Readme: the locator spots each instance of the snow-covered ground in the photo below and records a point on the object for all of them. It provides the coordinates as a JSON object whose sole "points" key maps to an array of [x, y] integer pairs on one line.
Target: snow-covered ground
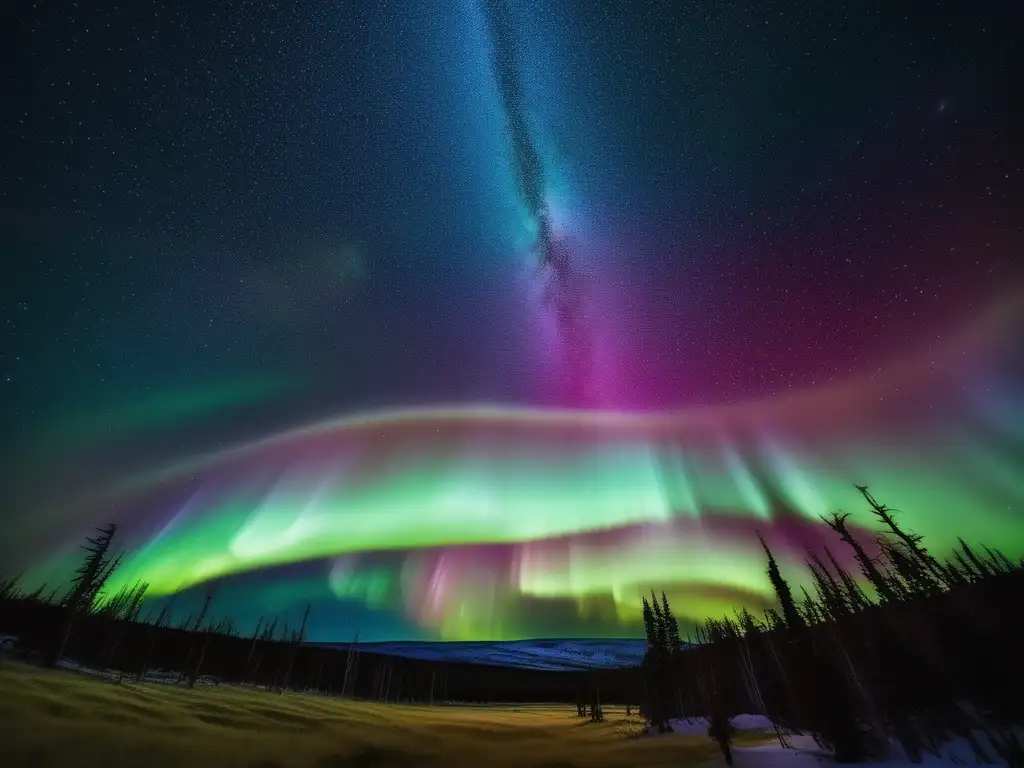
{"points": [[699, 726], [166, 677], [161, 676], [803, 751]]}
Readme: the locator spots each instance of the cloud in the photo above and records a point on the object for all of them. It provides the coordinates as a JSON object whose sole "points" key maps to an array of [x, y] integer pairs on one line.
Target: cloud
{"points": [[302, 286]]}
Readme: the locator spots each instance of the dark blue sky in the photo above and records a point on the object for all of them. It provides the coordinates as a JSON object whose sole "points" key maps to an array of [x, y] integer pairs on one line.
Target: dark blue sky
{"points": [[196, 192], [225, 219]]}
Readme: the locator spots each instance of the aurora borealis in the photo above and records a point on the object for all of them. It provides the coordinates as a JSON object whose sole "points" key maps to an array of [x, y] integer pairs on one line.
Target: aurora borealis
{"points": [[479, 320], [502, 522]]}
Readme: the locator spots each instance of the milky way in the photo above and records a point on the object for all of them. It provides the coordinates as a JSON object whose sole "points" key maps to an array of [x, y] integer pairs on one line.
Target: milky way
{"points": [[562, 289], [481, 319], [526, 162]]}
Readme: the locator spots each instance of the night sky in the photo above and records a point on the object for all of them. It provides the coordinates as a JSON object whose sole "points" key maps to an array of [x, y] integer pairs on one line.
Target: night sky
{"points": [[473, 319]]}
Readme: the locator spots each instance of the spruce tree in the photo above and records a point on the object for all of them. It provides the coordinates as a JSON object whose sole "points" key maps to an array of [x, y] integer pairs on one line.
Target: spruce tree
{"points": [[656, 662], [955, 576], [837, 522], [790, 613], [829, 590], [855, 596], [747, 623], [809, 609], [649, 630], [86, 585], [981, 568], [92, 574], [660, 628], [968, 568], [932, 575], [999, 555], [674, 642], [9, 588]]}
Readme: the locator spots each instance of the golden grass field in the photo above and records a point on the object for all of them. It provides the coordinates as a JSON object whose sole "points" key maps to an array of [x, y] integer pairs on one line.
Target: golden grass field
{"points": [[57, 718]]}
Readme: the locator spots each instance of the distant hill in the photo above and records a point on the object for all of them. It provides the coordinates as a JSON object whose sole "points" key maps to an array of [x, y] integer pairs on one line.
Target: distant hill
{"points": [[533, 654]]}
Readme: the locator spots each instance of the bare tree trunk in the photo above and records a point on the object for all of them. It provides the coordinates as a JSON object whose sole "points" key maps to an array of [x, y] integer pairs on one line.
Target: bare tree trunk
{"points": [[350, 663], [194, 676]]}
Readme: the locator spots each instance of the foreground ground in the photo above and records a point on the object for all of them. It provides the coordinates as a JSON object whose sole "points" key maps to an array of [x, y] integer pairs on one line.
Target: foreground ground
{"points": [[56, 718]]}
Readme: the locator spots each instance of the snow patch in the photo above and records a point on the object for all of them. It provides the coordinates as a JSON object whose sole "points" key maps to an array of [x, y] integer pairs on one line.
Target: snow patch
{"points": [[804, 751], [699, 725], [159, 676]]}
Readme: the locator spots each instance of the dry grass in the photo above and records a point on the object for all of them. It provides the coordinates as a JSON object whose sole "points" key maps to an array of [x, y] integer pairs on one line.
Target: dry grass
{"points": [[53, 718]]}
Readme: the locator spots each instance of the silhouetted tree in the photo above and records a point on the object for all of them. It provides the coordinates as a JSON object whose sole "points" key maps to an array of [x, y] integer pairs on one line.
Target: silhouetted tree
{"points": [[199, 640], [657, 663], [121, 610], [789, 610], [162, 620], [88, 582], [297, 639], [9, 588], [596, 712], [837, 522], [721, 729], [247, 667], [673, 643], [911, 541]]}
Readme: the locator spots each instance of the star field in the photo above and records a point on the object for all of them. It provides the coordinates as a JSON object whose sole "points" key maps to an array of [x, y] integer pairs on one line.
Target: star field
{"points": [[225, 223]]}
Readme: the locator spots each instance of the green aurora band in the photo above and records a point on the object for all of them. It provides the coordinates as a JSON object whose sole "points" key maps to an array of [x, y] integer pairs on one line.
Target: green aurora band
{"points": [[477, 523]]}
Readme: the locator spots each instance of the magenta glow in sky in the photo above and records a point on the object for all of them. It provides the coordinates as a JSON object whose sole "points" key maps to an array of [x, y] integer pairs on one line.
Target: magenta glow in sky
{"points": [[479, 319], [496, 522]]}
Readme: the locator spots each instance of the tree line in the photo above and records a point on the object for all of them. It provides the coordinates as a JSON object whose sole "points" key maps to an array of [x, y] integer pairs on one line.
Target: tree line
{"points": [[122, 636], [912, 648], [909, 647]]}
